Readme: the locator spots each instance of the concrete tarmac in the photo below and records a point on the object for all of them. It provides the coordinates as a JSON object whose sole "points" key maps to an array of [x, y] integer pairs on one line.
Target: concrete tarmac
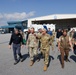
{"points": [[23, 68]]}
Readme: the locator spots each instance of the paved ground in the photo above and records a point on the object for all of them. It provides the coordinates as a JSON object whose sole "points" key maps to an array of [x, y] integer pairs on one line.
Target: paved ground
{"points": [[7, 67]]}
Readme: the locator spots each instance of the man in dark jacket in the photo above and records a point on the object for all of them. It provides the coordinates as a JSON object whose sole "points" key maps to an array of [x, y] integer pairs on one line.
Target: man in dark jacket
{"points": [[17, 40], [27, 34], [59, 33]]}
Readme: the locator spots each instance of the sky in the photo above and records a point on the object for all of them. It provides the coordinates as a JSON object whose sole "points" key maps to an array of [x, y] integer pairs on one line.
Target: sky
{"points": [[16, 10]]}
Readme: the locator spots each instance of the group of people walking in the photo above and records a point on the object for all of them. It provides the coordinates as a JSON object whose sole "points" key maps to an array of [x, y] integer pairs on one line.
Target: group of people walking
{"points": [[41, 41]]}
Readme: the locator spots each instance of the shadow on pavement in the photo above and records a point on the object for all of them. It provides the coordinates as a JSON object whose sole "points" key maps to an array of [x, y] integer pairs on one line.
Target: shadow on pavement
{"points": [[73, 57], [25, 56], [59, 57], [42, 57], [50, 58]]}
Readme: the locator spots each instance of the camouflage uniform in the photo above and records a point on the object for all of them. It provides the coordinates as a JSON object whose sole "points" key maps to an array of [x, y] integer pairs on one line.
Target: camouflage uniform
{"points": [[54, 34], [45, 46], [33, 45], [64, 48], [71, 36], [53, 38], [39, 42]]}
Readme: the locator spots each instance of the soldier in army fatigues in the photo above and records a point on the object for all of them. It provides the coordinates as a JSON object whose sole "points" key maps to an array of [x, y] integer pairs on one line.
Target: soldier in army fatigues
{"points": [[39, 33], [64, 45], [32, 43], [71, 36], [53, 38], [54, 34], [45, 40]]}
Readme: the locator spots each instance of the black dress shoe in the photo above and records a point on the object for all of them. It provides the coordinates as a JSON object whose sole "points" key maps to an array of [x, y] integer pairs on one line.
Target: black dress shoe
{"points": [[15, 62], [21, 59]]}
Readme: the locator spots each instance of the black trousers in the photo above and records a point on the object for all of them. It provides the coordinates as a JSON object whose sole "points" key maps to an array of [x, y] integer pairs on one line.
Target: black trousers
{"points": [[74, 49]]}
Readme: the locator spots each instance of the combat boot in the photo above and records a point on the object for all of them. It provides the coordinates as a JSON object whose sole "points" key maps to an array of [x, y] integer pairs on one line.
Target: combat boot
{"points": [[31, 62], [45, 68]]}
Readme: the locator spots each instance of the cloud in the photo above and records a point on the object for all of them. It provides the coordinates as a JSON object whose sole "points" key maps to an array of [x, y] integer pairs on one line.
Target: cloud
{"points": [[4, 17]]}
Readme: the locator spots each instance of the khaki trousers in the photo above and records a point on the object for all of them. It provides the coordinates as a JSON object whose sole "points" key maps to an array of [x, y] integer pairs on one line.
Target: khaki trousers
{"points": [[64, 53]]}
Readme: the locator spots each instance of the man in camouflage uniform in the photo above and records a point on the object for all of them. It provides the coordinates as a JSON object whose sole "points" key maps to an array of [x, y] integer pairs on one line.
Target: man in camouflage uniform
{"points": [[53, 38], [64, 45], [39, 33], [45, 40], [54, 34], [32, 43], [71, 36]]}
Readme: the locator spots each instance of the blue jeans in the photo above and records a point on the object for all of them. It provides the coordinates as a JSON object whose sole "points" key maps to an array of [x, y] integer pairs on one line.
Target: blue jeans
{"points": [[17, 50]]}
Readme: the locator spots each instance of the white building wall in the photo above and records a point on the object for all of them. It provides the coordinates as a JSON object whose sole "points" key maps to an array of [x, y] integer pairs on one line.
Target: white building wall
{"points": [[55, 16], [52, 17], [29, 23]]}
